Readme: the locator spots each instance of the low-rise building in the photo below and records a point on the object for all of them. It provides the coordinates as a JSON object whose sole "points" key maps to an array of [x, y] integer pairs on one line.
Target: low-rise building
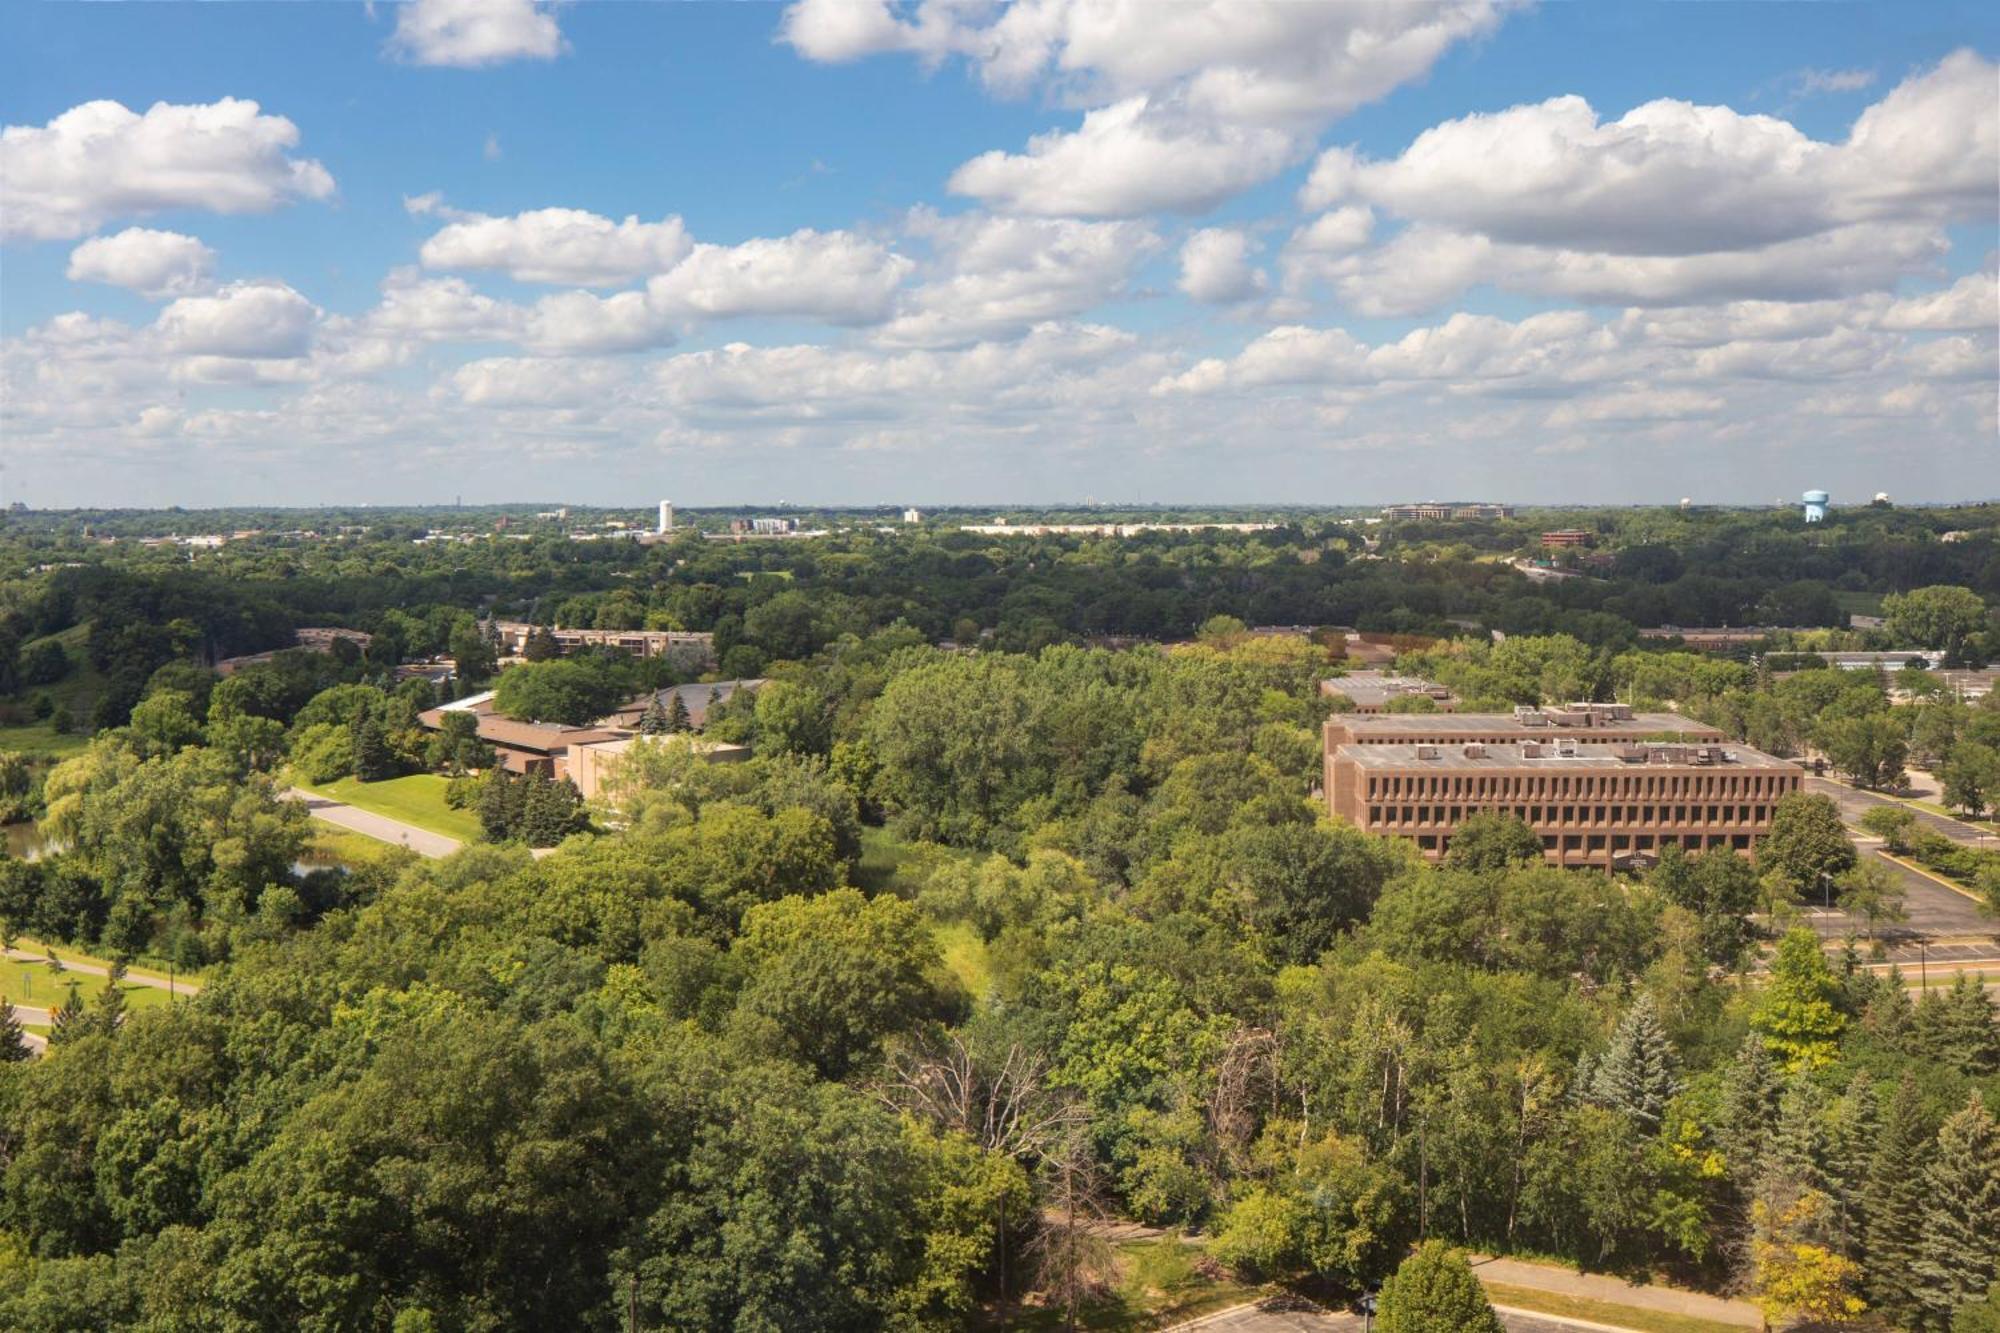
{"points": [[1560, 537], [1373, 691], [696, 698], [1592, 803], [591, 764], [638, 642], [1574, 722]]}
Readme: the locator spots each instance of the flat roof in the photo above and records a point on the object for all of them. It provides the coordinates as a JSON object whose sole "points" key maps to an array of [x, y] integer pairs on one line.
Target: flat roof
{"points": [[1508, 756], [1454, 724]]}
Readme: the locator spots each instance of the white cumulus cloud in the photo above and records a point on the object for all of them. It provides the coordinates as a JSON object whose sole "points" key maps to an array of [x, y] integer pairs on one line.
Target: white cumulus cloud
{"points": [[835, 276], [564, 246], [155, 264], [1216, 267], [247, 320], [101, 161], [471, 33]]}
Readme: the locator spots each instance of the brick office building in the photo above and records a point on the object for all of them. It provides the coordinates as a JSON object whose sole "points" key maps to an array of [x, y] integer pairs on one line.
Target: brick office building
{"points": [[1576, 722], [1592, 802]]}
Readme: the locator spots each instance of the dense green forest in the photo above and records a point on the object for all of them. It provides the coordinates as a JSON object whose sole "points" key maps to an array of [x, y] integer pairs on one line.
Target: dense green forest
{"points": [[1010, 924]]}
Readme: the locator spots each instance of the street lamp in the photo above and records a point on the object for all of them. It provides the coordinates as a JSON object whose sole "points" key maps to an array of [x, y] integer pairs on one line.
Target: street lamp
{"points": [[1368, 1312]]}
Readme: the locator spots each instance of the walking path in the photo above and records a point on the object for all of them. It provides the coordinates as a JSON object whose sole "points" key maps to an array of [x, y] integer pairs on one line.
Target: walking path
{"points": [[1615, 1291], [177, 986], [371, 825]]}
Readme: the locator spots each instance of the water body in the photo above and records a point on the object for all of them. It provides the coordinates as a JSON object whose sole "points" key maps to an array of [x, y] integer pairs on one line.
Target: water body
{"points": [[24, 841]]}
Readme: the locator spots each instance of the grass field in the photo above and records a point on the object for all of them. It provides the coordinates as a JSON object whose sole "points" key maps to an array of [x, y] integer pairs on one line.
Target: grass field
{"points": [[417, 799], [33, 986], [1603, 1312], [156, 968], [80, 690], [41, 738], [340, 847], [965, 954]]}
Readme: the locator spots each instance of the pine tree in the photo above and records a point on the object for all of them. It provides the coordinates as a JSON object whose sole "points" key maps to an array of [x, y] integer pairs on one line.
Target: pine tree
{"points": [[540, 645], [1895, 1202], [1434, 1291], [1796, 1162], [541, 812], [373, 759], [499, 805], [1955, 1028], [66, 1021], [653, 722], [109, 1015], [1958, 1254], [1854, 1127], [14, 1046], [1750, 1092], [678, 720], [1636, 1075]]}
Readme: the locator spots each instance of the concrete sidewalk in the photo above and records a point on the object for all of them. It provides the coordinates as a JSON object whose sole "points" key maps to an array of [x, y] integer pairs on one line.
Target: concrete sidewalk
{"points": [[1615, 1291]]}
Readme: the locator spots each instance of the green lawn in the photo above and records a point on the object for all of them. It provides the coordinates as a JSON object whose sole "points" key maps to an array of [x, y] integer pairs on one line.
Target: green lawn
{"points": [[33, 986], [342, 847], [156, 968], [80, 690], [1603, 1312], [417, 799], [41, 738], [965, 954], [891, 865]]}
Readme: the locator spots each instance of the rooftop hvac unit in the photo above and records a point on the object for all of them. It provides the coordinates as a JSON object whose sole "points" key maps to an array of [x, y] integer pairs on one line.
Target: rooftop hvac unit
{"points": [[1531, 749], [1428, 752], [1565, 752], [1474, 750], [1633, 754]]}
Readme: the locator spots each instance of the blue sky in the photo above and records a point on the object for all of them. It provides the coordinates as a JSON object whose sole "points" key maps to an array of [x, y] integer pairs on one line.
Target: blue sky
{"points": [[1064, 248]]}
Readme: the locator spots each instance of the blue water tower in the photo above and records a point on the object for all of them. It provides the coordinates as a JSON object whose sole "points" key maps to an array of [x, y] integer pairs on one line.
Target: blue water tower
{"points": [[1815, 504]]}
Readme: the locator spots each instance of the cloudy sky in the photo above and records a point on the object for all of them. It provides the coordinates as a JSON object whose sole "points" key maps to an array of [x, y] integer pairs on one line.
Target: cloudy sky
{"points": [[955, 250]]}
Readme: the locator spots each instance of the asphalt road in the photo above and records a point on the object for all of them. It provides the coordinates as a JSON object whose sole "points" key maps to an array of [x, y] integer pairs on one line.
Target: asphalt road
{"points": [[1305, 1320], [1854, 803], [371, 825]]}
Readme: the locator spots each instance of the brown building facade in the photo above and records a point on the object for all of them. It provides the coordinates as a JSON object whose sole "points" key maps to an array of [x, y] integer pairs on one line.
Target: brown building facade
{"points": [[1594, 804]]}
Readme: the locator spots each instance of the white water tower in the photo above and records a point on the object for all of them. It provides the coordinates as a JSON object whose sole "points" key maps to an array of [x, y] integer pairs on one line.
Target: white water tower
{"points": [[666, 517]]}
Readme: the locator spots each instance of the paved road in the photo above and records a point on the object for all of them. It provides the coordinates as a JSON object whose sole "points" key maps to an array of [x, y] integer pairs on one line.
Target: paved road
{"points": [[379, 827], [1278, 1317], [1855, 803], [180, 986]]}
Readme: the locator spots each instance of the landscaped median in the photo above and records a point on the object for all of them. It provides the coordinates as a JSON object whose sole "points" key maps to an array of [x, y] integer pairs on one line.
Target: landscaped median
{"points": [[1507, 1296]]}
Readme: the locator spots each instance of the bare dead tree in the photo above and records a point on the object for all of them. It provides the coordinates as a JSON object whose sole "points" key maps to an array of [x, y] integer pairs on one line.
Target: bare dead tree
{"points": [[1006, 1107], [1246, 1078], [1073, 1260]]}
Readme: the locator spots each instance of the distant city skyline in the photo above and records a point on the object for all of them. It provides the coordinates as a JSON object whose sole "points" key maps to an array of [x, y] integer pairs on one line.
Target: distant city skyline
{"points": [[850, 252]]}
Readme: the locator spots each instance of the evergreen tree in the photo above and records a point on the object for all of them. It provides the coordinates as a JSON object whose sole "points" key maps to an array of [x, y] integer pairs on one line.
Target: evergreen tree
{"points": [[1955, 1028], [1750, 1092], [109, 1015], [1895, 1203], [67, 1021], [1434, 1291], [1958, 1254], [540, 645], [14, 1046], [1636, 1074], [1797, 1159], [653, 722], [499, 805], [1854, 1128], [373, 759], [677, 715]]}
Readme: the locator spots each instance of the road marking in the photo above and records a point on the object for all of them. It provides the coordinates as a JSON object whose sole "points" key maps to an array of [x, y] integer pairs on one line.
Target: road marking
{"points": [[1566, 1320]]}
